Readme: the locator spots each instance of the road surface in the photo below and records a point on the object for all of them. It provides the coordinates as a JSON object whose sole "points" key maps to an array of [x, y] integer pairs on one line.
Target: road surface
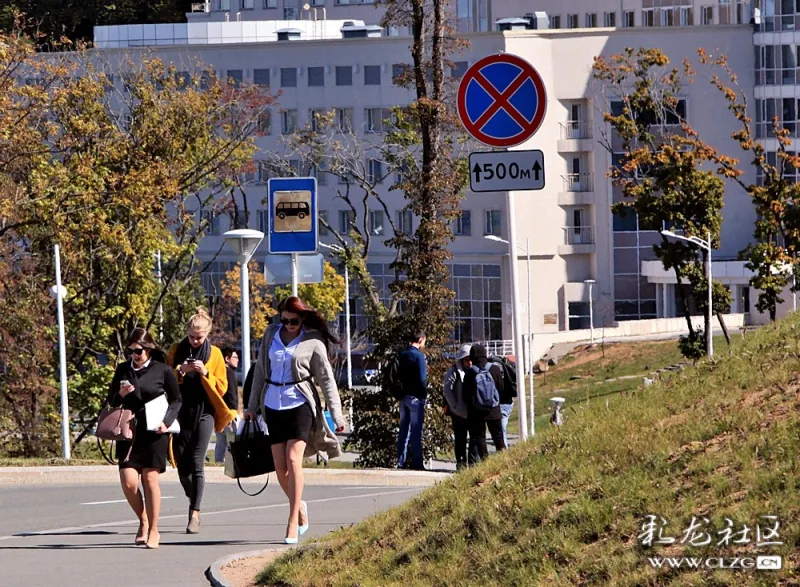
{"points": [[72, 535]]}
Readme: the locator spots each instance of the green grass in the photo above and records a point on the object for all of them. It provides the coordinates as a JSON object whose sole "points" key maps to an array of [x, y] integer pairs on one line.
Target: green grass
{"points": [[48, 462], [717, 440]]}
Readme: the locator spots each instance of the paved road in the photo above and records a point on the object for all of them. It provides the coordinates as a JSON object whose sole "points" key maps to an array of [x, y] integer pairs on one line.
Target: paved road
{"points": [[83, 535]]}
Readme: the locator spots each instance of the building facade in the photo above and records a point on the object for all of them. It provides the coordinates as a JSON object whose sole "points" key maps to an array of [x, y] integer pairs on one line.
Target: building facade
{"points": [[572, 233]]}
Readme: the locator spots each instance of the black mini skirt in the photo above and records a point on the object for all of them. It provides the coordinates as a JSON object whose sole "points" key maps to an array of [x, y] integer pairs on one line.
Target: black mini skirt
{"points": [[286, 425]]}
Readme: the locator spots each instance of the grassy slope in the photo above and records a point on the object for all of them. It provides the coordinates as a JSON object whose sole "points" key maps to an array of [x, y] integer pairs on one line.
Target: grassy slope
{"points": [[565, 509]]}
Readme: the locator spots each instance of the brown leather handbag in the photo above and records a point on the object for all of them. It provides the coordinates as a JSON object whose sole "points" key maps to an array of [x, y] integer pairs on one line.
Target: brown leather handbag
{"points": [[115, 424]]}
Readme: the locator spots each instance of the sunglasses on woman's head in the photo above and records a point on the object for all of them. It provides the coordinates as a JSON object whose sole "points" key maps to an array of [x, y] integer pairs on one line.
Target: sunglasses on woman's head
{"points": [[290, 321], [137, 352]]}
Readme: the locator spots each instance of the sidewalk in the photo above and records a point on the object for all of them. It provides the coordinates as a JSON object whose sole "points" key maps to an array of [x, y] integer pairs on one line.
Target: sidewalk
{"points": [[78, 475]]}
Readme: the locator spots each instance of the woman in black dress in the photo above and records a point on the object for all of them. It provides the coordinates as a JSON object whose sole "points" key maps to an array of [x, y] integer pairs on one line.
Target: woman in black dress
{"points": [[144, 378]]}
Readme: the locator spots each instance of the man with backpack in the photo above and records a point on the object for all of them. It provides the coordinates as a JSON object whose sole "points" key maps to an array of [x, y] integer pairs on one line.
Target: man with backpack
{"points": [[508, 393], [409, 384], [483, 386], [454, 405]]}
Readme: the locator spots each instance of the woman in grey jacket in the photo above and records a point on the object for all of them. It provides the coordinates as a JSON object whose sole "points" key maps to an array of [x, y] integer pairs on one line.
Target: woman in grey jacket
{"points": [[292, 362]]}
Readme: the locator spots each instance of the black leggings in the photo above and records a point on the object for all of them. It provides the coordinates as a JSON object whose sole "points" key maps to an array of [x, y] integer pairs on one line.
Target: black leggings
{"points": [[190, 454]]}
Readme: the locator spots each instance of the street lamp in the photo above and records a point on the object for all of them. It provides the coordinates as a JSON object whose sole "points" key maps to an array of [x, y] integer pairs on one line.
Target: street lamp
{"points": [[590, 283], [523, 428], [706, 246], [244, 243], [338, 249], [59, 292]]}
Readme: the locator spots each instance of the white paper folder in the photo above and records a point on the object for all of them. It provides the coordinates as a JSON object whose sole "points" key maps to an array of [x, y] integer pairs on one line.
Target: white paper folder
{"points": [[154, 412]]}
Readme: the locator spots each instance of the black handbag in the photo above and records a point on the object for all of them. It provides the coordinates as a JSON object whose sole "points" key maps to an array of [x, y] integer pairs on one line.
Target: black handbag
{"points": [[251, 453]]}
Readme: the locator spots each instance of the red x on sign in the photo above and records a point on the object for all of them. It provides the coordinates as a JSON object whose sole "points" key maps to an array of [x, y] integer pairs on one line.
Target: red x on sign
{"points": [[502, 100]]}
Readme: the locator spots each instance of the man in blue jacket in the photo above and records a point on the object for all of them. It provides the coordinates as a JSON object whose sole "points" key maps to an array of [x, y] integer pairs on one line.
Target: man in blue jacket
{"points": [[414, 377]]}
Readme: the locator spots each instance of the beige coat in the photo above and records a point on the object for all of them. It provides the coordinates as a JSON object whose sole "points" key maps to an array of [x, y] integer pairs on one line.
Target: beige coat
{"points": [[310, 358]]}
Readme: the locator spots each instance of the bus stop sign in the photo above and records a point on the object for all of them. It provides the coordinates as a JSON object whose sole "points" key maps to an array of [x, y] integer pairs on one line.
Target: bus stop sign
{"points": [[293, 215]]}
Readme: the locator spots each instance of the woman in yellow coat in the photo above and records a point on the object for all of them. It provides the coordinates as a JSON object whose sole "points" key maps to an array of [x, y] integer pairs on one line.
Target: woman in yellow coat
{"points": [[201, 374]]}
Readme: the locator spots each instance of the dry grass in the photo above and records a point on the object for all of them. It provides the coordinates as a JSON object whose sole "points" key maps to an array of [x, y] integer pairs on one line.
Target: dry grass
{"points": [[565, 508]]}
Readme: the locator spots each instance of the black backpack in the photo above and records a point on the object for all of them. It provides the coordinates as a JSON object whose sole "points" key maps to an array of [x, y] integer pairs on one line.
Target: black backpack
{"points": [[509, 375], [391, 378]]}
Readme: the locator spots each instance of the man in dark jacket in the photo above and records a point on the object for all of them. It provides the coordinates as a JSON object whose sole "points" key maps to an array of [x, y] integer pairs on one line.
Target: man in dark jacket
{"points": [[231, 397], [414, 377], [478, 419]]}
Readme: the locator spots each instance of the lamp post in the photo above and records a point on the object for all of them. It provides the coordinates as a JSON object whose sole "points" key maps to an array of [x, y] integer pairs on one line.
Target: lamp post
{"points": [[160, 304], [338, 249], [244, 243], [590, 283], [515, 295], [706, 246], [59, 292]]}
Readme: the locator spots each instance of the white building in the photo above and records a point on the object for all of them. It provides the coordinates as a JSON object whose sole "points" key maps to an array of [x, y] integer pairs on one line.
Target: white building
{"points": [[573, 235]]}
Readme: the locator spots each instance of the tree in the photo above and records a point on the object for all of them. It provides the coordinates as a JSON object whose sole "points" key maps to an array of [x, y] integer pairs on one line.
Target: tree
{"points": [[661, 171], [773, 257], [115, 169], [422, 146], [326, 297]]}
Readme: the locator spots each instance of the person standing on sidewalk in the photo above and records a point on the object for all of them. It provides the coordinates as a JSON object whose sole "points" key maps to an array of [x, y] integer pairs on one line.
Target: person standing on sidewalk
{"points": [[141, 379], [231, 399], [454, 403], [292, 363], [483, 387], [200, 370], [413, 373]]}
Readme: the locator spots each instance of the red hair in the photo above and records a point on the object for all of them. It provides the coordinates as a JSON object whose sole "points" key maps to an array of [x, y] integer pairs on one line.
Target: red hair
{"points": [[310, 316]]}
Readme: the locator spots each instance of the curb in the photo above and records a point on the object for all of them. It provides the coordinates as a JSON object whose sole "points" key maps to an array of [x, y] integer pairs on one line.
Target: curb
{"points": [[214, 572], [66, 475]]}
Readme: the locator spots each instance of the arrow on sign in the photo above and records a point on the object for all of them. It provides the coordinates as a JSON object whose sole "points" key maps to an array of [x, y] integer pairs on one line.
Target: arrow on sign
{"points": [[536, 170], [477, 171]]}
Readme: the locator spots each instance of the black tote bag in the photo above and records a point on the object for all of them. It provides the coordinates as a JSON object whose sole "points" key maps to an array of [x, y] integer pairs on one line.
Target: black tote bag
{"points": [[251, 453]]}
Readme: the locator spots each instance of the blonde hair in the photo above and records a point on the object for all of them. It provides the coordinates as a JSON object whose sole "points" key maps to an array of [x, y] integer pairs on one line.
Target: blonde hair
{"points": [[200, 320]]}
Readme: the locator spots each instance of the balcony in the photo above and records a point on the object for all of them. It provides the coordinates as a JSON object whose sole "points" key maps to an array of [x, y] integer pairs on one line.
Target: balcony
{"points": [[576, 136], [578, 240], [577, 182]]}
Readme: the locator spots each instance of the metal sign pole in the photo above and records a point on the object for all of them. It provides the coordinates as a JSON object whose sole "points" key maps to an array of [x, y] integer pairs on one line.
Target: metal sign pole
{"points": [[518, 349], [294, 274], [62, 357]]}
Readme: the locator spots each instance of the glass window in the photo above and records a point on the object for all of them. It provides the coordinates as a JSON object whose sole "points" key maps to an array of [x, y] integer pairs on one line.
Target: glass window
{"points": [[344, 119], [555, 21], [625, 221], [346, 220], [321, 228], [344, 75], [398, 71], [572, 21], [372, 75], [261, 77], [648, 17], [288, 77], [316, 77], [628, 19], [707, 15], [491, 271], [591, 20], [264, 122], [493, 223], [234, 77], [461, 270], [610, 19], [376, 119], [248, 4], [263, 221], [405, 221], [288, 121], [374, 171], [376, 222], [463, 224], [578, 315]]}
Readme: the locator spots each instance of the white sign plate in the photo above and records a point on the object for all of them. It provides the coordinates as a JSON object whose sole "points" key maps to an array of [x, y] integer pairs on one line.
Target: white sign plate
{"points": [[505, 171]]}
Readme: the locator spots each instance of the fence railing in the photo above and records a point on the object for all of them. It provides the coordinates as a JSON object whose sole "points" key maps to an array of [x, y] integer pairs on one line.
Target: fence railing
{"points": [[576, 129], [577, 182], [578, 235]]}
